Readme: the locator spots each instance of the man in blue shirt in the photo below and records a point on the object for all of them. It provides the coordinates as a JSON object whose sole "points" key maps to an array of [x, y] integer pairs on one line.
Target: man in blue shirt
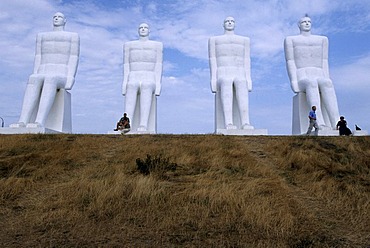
{"points": [[313, 123]]}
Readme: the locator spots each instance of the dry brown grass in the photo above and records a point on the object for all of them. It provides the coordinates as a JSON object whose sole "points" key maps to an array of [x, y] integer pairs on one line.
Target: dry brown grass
{"points": [[86, 191]]}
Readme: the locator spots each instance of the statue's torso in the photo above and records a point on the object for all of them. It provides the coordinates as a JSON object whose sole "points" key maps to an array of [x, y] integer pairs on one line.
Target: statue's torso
{"points": [[230, 56], [55, 52], [308, 51], [230, 51], [142, 55]]}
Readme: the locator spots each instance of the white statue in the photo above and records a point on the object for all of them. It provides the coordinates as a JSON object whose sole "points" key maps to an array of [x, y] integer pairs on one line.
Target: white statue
{"points": [[55, 66], [308, 69], [142, 80], [229, 59]]}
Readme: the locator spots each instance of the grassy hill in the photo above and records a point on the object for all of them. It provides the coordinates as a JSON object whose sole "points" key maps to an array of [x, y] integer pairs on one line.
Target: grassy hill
{"points": [[184, 191]]}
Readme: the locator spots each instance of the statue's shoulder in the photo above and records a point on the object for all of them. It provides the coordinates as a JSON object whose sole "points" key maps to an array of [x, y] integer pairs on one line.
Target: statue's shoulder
{"points": [[73, 34], [216, 37], [140, 44], [292, 37], [58, 33], [228, 37], [156, 43], [42, 34], [321, 37], [242, 37], [130, 42]]}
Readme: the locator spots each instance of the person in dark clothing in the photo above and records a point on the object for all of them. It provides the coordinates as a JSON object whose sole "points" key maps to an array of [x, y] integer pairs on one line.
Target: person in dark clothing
{"points": [[342, 127], [124, 123]]}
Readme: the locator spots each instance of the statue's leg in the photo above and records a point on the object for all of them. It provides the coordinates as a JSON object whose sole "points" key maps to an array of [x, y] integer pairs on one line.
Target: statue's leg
{"points": [[226, 88], [48, 93], [313, 96], [130, 100], [329, 99], [31, 97], [146, 97], [243, 102]]}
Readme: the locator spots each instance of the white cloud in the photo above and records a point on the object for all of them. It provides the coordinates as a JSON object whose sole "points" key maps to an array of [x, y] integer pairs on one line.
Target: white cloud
{"points": [[354, 77]]}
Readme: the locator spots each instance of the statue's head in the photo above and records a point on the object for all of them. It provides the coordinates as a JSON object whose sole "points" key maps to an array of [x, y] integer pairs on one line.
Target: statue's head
{"points": [[59, 19], [143, 30], [229, 23], [304, 23]]}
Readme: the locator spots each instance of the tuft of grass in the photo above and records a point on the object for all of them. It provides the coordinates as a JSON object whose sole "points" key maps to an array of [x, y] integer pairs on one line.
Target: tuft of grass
{"points": [[158, 165]]}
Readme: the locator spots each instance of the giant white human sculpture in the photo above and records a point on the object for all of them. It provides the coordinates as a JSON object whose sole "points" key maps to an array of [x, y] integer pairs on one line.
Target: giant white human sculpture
{"points": [[142, 80], [229, 59], [55, 66], [308, 69]]}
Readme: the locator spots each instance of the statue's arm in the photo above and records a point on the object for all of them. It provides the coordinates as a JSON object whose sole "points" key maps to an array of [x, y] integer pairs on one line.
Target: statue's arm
{"points": [[126, 67], [37, 61], [247, 57], [212, 63], [290, 64], [325, 63], [73, 61], [158, 69]]}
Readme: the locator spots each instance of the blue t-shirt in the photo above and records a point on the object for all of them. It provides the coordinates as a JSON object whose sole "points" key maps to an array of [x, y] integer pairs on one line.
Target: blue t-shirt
{"points": [[312, 115]]}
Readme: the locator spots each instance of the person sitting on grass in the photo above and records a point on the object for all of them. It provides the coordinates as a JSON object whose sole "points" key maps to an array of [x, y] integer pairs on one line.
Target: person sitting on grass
{"points": [[123, 123]]}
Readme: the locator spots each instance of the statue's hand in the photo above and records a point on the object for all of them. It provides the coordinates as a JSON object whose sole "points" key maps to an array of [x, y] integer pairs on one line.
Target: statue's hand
{"points": [[214, 86], [69, 83], [249, 85], [158, 89], [295, 87]]}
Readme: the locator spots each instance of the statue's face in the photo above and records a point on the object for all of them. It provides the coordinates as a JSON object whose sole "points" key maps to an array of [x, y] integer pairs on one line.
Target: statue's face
{"points": [[305, 24], [59, 19], [144, 30], [229, 24]]}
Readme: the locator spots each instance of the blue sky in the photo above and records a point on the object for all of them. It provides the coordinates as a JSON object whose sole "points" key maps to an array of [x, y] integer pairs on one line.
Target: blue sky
{"points": [[186, 103]]}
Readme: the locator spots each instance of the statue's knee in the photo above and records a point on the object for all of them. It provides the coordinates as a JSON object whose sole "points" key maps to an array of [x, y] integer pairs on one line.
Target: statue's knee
{"points": [[326, 83], [56, 81], [131, 87], [35, 79], [225, 85], [222, 81]]}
